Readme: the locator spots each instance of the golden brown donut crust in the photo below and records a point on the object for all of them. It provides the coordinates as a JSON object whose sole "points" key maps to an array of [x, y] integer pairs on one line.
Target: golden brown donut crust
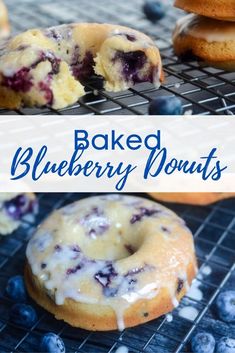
{"points": [[219, 9], [210, 40], [192, 198], [87, 317], [82, 267], [214, 52]]}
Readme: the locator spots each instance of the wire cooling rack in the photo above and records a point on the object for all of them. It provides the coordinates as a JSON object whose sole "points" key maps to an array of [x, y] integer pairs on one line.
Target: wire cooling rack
{"points": [[203, 90], [214, 232]]}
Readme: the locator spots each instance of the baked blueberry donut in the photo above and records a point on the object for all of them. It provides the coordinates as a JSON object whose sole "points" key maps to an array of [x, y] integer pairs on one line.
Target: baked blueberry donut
{"points": [[15, 207], [192, 198], [210, 40], [219, 9], [110, 261], [4, 24], [49, 67]]}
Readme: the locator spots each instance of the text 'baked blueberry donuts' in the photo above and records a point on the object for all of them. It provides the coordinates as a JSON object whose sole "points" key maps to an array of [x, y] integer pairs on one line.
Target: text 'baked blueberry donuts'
{"points": [[15, 207], [4, 23], [210, 40], [110, 262], [218, 9], [49, 67]]}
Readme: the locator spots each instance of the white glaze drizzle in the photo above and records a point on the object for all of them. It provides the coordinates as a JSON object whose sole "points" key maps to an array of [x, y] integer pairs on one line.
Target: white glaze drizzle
{"points": [[54, 246], [169, 317], [194, 292], [189, 313], [206, 270], [204, 28], [175, 302], [122, 349]]}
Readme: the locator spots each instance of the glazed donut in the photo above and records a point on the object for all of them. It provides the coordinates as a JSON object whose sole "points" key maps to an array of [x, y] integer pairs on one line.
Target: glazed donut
{"points": [[13, 208], [4, 24], [211, 40], [47, 67], [192, 198], [218, 9], [109, 262]]}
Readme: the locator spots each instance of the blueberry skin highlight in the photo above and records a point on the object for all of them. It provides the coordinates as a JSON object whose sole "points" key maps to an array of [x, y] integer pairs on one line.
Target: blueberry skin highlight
{"points": [[225, 345], [225, 304], [166, 105], [23, 315], [52, 343], [154, 10], [203, 342], [15, 289]]}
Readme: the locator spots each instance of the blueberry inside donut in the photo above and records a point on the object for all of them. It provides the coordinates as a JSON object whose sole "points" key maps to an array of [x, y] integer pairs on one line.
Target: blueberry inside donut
{"points": [[23, 81], [110, 262], [131, 64]]}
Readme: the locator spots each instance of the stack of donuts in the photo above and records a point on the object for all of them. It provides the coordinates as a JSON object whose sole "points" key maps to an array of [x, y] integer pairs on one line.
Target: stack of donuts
{"points": [[208, 33]]}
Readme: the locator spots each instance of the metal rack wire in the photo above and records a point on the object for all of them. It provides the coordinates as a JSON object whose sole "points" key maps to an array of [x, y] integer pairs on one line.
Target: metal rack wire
{"points": [[214, 230], [203, 90]]}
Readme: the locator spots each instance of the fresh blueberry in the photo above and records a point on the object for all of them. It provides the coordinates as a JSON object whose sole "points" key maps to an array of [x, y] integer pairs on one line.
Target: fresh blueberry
{"points": [[52, 343], [225, 303], [225, 345], [154, 10], [203, 342], [165, 105], [15, 289], [23, 315]]}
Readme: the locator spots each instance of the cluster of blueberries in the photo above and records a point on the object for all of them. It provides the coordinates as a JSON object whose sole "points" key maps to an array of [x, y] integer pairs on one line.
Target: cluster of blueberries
{"points": [[25, 315], [204, 342]]}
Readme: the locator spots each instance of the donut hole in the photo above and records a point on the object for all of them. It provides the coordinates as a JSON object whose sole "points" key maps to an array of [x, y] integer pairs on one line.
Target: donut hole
{"points": [[116, 244]]}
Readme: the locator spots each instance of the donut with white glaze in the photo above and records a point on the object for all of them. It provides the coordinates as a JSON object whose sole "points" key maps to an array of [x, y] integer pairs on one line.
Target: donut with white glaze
{"points": [[110, 261], [210, 40], [192, 198], [14, 207], [218, 9], [49, 67], [4, 23]]}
